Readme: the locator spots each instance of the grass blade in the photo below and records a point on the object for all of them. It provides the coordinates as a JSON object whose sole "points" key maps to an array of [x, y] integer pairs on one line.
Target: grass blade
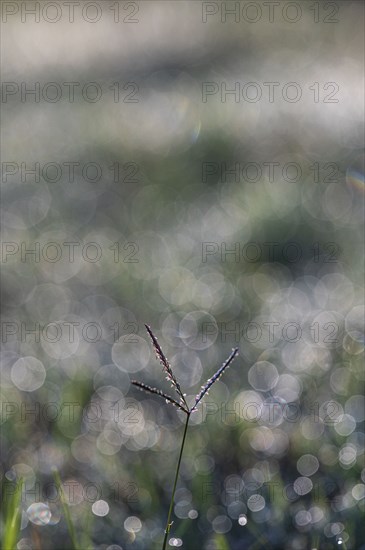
{"points": [[13, 517], [66, 511]]}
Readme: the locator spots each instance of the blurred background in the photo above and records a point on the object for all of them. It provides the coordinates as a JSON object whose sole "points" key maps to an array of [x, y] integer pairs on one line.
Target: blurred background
{"points": [[197, 166]]}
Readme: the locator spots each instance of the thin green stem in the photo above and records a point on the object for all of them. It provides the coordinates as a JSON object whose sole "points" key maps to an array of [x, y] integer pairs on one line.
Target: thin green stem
{"points": [[168, 524]]}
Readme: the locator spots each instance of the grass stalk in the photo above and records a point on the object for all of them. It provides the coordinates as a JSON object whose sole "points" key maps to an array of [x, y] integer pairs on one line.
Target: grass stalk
{"points": [[181, 404], [169, 523], [13, 517]]}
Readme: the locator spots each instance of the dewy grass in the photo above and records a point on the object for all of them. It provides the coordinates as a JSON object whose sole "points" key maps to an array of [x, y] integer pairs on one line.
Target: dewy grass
{"points": [[180, 404]]}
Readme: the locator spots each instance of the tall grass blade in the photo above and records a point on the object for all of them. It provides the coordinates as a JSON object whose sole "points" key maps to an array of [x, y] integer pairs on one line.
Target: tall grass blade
{"points": [[13, 517]]}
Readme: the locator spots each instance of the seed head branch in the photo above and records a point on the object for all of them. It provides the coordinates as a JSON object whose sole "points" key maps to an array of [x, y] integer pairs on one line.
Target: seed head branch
{"points": [[167, 368]]}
